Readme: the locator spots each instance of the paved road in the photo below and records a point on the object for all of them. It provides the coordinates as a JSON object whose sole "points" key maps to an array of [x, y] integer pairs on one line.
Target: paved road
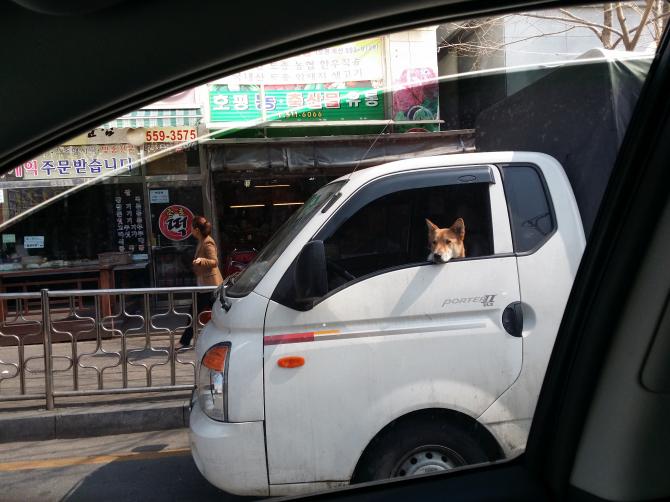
{"points": [[145, 466]]}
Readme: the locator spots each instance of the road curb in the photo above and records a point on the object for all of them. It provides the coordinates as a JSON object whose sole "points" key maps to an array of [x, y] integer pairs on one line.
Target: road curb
{"points": [[93, 421]]}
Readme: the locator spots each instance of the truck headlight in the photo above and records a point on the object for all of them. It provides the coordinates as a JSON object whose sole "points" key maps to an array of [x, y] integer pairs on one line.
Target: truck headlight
{"points": [[213, 382]]}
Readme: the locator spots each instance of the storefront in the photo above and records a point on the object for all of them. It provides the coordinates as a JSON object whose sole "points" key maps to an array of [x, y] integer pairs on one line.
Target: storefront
{"points": [[171, 183], [111, 208]]}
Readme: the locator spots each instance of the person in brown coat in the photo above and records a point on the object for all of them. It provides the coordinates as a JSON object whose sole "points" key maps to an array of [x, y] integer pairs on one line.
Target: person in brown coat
{"points": [[206, 269]]}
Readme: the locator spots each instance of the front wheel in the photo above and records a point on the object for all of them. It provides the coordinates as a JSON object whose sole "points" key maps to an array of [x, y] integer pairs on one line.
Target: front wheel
{"points": [[421, 446]]}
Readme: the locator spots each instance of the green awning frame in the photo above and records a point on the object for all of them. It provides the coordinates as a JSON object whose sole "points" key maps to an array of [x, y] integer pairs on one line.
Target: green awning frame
{"points": [[157, 118]]}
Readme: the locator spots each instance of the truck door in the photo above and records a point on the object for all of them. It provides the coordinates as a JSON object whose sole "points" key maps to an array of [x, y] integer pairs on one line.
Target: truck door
{"points": [[394, 333]]}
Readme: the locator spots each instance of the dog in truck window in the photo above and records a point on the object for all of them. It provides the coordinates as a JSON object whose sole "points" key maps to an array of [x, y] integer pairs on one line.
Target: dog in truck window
{"points": [[446, 243]]}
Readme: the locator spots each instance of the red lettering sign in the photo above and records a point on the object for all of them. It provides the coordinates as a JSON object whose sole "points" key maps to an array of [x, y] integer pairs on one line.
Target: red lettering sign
{"points": [[175, 222]]}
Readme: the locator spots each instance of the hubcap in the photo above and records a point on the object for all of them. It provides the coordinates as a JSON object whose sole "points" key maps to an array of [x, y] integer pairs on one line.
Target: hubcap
{"points": [[427, 459]]}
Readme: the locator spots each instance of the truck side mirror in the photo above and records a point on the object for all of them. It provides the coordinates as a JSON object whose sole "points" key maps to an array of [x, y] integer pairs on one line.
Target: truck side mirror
{"points": [[310, 274]]}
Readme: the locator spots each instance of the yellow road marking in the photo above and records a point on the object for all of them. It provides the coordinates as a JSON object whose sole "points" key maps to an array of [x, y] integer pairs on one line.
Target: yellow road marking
{"points": [[97, 459]]}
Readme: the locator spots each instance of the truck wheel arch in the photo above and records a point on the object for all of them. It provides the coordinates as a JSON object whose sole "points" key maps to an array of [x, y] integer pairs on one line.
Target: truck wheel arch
{"points": [[464, 422]]}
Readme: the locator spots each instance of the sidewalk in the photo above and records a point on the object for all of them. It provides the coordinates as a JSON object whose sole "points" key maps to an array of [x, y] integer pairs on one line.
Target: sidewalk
{"points": [[98, 365], [148, 365]]}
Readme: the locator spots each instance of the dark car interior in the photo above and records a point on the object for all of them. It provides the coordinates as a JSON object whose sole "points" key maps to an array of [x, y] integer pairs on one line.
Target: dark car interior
{"points": [[391, 231]]}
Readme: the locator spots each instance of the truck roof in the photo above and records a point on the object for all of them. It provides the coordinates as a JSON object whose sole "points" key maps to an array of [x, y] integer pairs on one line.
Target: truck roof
{"points": [[451, 161]]}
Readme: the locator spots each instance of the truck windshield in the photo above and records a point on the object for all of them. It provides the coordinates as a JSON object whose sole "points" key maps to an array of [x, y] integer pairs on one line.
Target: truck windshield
{"points": [[257, 269]]}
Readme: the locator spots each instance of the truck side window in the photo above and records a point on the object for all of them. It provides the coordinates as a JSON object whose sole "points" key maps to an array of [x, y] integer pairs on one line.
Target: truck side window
{"points": [[529, 208], [391, 231]]}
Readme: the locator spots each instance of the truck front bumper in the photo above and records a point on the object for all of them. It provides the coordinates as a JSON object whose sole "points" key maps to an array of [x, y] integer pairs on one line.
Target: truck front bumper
{"points": [[231, 456]]}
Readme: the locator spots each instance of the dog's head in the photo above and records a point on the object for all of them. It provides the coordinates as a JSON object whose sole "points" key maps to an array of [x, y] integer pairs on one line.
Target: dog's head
{"points": [[446, 243]]}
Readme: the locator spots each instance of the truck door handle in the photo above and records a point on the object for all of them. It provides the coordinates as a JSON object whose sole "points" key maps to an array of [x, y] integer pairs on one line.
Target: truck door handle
{"points": [[512, 319]]}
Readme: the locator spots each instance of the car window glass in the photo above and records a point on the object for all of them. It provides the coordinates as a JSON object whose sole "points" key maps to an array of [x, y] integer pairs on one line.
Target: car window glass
{"points": [[439, 363], [529, 209], [391, 231], [261, 263]]}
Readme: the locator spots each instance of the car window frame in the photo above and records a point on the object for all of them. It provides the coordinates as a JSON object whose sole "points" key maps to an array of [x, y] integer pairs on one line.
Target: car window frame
{"points": [[550, 203], [377, 188]]}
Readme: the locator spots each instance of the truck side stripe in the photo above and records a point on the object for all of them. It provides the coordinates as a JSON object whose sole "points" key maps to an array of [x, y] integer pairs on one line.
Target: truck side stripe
{"points": [[297, 337], [335, 334]]}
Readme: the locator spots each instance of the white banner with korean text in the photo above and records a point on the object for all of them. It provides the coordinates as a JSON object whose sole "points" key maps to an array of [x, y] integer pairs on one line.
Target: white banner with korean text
{"points": [[81, 161], [357, 61]]}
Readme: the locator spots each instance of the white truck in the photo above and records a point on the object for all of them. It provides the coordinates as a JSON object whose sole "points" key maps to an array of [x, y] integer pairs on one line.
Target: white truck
{"points": [[341, 354]]}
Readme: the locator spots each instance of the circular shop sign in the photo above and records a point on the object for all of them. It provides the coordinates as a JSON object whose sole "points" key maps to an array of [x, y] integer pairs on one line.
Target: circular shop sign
{"points": [[175, 222]]}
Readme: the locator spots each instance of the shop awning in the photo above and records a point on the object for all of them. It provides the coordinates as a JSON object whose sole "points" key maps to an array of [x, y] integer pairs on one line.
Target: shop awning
{"points": [[290, 155], [158, 118]]}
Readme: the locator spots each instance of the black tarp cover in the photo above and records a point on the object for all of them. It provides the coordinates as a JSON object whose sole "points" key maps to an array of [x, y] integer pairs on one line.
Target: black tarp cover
{"points": [[578, 114], [295, 156]]}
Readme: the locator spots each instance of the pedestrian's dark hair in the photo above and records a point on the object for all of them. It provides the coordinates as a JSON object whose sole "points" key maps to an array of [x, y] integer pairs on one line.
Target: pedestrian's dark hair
{"points": [[204, 226]]}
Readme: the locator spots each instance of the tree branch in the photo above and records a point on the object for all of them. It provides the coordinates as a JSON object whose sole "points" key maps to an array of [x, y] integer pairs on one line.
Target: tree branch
{"points": [[483, 37], [587, 26], [473, 25], [649, 21], [538, 36], [468, 46], [622, 22], [575, 17], [606, 36], [643, 22], [583, 22]]}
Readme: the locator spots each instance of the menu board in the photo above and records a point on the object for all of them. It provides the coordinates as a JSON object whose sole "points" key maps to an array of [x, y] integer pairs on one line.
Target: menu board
{"points": [[128, 214]]}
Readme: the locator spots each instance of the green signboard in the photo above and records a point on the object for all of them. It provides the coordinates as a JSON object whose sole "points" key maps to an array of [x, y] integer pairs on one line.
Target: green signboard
{"points": [[296, 105]]}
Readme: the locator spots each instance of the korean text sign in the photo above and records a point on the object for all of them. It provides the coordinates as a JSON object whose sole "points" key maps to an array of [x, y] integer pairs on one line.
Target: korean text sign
{"points": [[356, 61], [175, 222], [80, 162], [128, 217], [296, 105]]}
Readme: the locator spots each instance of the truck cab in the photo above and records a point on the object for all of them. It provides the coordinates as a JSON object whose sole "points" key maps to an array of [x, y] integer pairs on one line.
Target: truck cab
{"points": [[343, 354]]}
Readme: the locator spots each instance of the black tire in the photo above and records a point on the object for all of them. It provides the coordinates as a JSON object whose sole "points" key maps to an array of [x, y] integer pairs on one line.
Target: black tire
{"points": [[413, 443]]}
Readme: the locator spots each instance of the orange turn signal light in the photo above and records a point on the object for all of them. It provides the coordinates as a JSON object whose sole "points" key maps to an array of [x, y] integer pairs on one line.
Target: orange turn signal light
{"points": [[215, 358], [291, 362], [205, 316]]}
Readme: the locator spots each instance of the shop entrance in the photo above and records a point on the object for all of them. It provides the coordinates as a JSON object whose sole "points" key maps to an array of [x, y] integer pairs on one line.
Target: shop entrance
{"points": [[249, 210], [173, 204]]}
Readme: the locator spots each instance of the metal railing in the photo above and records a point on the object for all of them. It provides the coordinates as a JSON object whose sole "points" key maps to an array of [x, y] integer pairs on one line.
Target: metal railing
{"points": [[95, 342]]}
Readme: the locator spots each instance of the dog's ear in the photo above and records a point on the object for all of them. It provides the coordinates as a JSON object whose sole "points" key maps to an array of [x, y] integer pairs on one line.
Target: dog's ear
{"points": [[459, 228], [432, 227]]}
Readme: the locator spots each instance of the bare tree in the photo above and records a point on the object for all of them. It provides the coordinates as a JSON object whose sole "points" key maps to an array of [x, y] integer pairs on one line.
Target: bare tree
{"points": [[620, 25]]}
